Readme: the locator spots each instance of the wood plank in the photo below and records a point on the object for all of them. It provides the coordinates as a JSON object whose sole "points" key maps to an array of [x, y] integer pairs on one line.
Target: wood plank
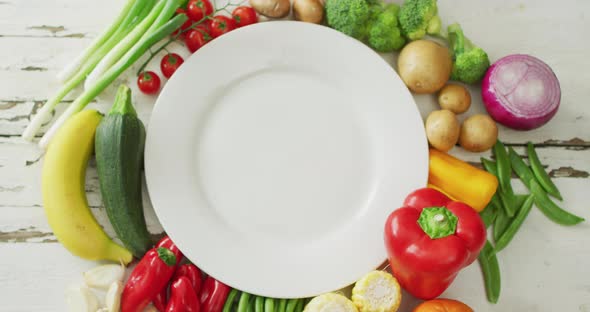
{"points": [[570, 126], [63, 18], [23, 221], [522, 266]]}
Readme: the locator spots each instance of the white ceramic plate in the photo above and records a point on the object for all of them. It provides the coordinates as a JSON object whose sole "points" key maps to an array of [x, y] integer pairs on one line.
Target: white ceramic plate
{"points": [[275, 154]]}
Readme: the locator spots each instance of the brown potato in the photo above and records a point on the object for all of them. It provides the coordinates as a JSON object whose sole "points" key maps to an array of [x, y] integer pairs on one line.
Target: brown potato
{"points": [[311, 11], [272, 8], [424, 66], [455, 98], [478, 133], [442, 129]]}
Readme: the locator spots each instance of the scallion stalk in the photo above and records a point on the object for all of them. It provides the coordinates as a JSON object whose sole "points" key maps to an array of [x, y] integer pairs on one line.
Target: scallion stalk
{"points": [[124, 45], [118, 68], [70, 69], [135, 16]]}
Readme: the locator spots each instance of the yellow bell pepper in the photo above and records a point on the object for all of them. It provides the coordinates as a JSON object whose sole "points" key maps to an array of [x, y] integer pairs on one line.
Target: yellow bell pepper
{"points": [[460, 180]]}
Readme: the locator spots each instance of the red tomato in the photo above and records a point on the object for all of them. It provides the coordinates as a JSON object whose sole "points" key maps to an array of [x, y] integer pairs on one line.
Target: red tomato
{"points": [[198, 9], [244, 15], [170, 63], [196, 38], [184, 26], [221, 24], [148, 82]]}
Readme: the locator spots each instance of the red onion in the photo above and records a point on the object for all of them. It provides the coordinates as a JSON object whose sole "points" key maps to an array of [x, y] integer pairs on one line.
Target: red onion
{"points": [[521, 92]]}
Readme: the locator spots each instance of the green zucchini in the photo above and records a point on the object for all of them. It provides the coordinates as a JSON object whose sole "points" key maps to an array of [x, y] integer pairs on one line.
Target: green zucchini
{"points": [[119, 143]]}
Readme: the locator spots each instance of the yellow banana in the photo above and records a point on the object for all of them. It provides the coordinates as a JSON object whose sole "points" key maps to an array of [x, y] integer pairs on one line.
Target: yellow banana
{"points": [[64, 195]]}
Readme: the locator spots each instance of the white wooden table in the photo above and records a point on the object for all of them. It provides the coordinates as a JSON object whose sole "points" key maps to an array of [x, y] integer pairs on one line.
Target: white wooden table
{"points": [[545, 268]]}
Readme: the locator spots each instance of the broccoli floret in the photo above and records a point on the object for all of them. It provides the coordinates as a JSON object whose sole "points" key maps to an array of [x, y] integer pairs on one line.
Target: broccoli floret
{"points": [[349, 16], [418, 18], [470, 62], [384, 32]]}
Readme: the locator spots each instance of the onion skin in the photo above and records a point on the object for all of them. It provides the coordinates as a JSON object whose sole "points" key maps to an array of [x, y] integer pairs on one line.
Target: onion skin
{"points": [[499, 110]]}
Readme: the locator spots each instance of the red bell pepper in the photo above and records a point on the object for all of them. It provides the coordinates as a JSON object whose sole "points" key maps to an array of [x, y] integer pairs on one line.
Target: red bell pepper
{"points": [[148, 278], [193, 273], [183, 297], [213, 295], [162, 297], [430, 239]]}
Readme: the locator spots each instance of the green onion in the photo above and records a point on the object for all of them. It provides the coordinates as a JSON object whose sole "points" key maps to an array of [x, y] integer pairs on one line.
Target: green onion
{"points": [[70, 69], [153, 20], [146, 41], [135, 15]]}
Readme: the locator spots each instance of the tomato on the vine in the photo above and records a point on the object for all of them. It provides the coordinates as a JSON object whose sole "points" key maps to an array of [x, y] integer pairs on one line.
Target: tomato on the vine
{"points": [[244, 15], [221, 24], [148, 82], [198, 9], [185, 26], [170, 63], [196, 38]]}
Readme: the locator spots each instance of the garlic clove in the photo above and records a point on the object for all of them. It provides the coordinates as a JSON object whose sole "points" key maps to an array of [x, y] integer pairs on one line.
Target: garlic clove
{"points": [[113, 297], [81, 299], [104, 276]]}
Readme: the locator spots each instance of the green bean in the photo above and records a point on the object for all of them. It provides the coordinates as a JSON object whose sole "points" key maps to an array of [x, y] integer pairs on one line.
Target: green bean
{"points": [[291, 304], [508, 202], [540, 173], [259, 304], [550, 209], [300, 306], [269, 305], [500, 224], [488, 215], [252, 305], [504, 195], [229, 302], [243, 305], [491, 272], [523, 212], [489, 166], [519, 199], [503, 165], [282, 305], [522, 170]]}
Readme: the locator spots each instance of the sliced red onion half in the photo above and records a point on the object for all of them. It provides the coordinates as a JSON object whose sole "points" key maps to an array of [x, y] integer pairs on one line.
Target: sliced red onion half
{"points": [[521, 92]]}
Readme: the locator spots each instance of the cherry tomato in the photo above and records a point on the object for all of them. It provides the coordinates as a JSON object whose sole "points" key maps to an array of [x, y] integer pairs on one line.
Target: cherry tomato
{"points": [[148, 82], [244, 15], [170, 63], [198, 9], [196, 38], [184, 26], [221, 24]]}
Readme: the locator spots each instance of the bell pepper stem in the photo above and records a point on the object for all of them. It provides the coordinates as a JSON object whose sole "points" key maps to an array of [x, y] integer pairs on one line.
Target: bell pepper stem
{"points": [[437, 222]]}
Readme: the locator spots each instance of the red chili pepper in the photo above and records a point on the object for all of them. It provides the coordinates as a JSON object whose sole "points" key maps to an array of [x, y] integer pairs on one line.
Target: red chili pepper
{"points": [[430, 239], [213, 295], [166, 242], [183, 297], [193, 273], [150, 276], [161, 299]]}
